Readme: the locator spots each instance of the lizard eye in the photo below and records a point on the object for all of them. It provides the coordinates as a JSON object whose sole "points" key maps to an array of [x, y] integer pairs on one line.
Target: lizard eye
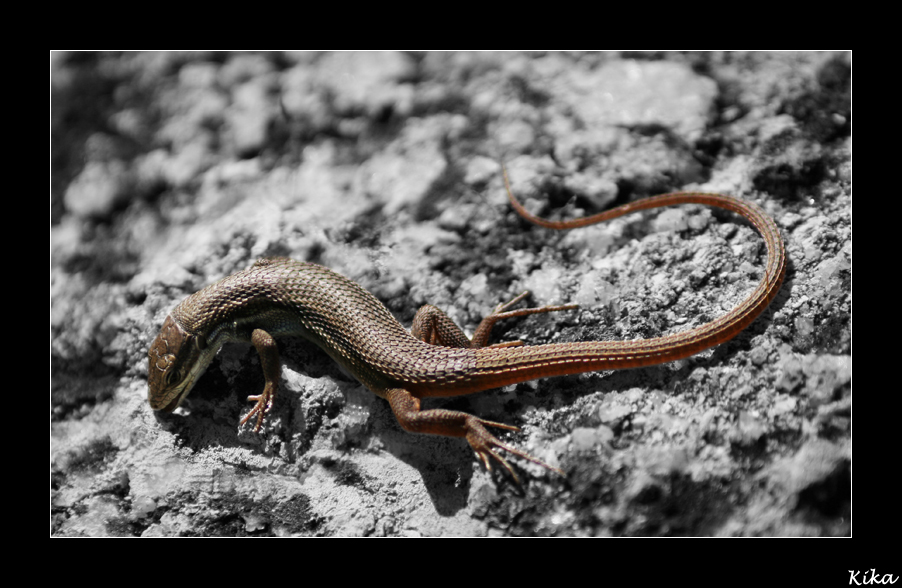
{"points": [[172, 377]]}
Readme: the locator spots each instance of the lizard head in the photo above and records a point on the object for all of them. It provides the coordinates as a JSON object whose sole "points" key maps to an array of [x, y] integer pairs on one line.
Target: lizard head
{"points": [[176, 359]]}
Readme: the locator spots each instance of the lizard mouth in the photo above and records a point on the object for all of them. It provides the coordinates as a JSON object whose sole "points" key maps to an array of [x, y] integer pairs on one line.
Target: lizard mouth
{"points": [[174, 403]]}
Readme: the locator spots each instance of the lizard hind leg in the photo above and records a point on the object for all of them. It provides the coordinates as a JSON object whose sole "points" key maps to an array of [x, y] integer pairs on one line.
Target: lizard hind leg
{"points": [[433, 326], [453, 423], [484, 330], [484, 444]]}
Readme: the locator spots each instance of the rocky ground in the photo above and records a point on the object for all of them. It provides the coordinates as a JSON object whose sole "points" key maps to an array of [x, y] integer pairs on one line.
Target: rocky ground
{"points": [[172, 170]]}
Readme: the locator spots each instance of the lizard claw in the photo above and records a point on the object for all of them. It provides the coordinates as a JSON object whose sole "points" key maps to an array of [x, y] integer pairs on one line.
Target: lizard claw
{"points": [[263, 406], [484, 444]]}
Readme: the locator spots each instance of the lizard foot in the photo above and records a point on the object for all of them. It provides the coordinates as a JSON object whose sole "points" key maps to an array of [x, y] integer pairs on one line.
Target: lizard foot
{"points": [[485, 445], [264, 404]]}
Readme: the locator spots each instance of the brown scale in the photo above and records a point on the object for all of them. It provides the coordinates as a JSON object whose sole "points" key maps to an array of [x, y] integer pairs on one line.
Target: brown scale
{"points": [[279, 297]]}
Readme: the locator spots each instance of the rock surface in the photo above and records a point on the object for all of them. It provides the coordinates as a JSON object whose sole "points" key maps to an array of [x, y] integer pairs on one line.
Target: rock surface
{"points": [[172, 170]]}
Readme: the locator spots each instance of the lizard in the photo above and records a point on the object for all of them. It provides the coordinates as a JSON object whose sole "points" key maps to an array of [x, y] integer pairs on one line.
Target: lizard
{"points": [[279, 297]]}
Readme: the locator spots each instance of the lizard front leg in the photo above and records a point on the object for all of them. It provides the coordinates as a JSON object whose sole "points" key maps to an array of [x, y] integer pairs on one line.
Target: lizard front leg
{"points": [[269, 361]]}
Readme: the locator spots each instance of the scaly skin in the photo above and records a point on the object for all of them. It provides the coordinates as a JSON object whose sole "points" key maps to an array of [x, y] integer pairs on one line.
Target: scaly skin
{"points": [[279, 297]]}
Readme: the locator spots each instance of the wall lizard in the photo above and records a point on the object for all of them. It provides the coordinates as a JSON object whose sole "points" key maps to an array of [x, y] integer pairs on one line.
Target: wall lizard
{"points": [[279, 297]]}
